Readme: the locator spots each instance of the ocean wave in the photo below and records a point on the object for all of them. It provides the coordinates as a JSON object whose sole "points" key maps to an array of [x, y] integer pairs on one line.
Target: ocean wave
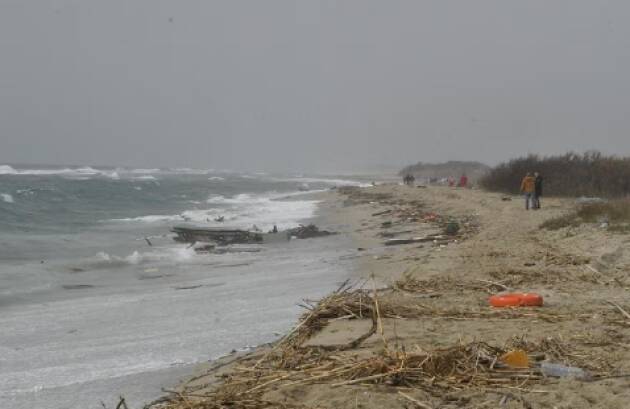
{"points": [[145, 177], [192, 171], [216, 178], [145, 171], [264, 211], [7, 198], [7, 170], [70, 172], [153, 218], [243, 211], [172, 254], [332, 182]]}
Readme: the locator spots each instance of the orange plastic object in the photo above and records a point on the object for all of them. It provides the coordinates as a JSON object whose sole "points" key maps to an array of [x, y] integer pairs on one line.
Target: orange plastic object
{"points": [[516, 300], [515, 359]]}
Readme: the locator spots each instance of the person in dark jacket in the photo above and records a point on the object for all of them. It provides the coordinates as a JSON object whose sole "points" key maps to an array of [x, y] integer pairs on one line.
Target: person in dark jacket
{"points": [[538, 189]]}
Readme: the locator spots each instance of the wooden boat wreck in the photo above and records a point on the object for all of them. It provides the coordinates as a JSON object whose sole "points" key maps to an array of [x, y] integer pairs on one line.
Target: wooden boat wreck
{"points": [[224, 236]]}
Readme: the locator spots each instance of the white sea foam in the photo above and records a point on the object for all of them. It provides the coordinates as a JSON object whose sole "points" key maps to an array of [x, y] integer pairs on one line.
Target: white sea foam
{"points": [[332, 182], [216, 178], [145, 177], [153, 218], [264, 211], [191, 171], [7, 170], [169, 254], [144, 171], [7, 198], [244, 211], [81, 172]]}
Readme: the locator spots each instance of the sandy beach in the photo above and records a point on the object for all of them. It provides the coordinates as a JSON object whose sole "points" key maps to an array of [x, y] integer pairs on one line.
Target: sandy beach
{"points": [[416, 330]]}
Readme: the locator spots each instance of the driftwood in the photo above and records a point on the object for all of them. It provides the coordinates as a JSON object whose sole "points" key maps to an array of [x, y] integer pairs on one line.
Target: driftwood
{"points": [[307, 232], [431, 238]]}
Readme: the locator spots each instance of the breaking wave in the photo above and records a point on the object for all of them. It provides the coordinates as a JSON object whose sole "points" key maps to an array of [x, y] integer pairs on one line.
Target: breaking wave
{"points": [[7, 198], [172, 254], [243, 211], [76, 172], [331, 182]]}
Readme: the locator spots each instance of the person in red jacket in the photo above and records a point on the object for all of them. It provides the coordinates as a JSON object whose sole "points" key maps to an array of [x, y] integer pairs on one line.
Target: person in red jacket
{"points": [[463, 181]]}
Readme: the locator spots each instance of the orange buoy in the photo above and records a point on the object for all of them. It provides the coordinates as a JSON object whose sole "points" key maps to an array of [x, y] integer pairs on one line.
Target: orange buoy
{"points": [[516, 300]]}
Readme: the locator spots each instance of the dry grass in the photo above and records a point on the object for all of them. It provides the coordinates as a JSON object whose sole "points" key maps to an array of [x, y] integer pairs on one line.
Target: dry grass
{"points": [[614, 212], [462, 366]]}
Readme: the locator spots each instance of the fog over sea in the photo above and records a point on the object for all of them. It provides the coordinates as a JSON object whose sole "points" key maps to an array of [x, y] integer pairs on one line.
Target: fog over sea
{"points": [[89, 311]]}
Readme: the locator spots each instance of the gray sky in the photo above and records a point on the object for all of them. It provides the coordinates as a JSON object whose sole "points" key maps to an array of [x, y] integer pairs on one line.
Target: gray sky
{"points": [[310, 85]]}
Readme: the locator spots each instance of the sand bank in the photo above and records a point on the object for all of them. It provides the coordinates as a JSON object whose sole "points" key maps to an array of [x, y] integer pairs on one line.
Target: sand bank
{"points": [[421, 334]]}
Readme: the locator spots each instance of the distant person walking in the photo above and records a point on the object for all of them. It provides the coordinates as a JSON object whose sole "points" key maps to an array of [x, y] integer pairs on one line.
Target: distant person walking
{"points": [[463, 181], [538, 189], [528, 187]]}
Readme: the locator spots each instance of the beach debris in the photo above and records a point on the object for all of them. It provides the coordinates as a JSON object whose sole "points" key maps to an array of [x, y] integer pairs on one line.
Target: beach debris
{"points": [[292, 362], [307, 232], [436, 238], [452, 228], [222, 236], [506, 199], [384, 212], [122, 404], [516, 300], [225, 236], [189, 287], [564, 371], [386, 224], [203, 247], [389, 234], [515, 359]]}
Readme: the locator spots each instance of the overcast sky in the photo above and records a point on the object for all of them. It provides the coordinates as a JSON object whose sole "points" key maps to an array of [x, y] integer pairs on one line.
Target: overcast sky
{"points": [[310, 85]]}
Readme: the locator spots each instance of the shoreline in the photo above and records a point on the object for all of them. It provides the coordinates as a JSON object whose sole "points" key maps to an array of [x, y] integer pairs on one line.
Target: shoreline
{"points": [[432, 298]]}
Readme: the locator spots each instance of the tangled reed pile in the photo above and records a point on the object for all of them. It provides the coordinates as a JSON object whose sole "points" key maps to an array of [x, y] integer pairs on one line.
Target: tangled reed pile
{"points": [[289, 363]]}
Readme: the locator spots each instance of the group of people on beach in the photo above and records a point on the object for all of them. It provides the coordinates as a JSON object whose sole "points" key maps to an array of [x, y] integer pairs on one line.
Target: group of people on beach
{"points": [[409, 179], [532, 188]]}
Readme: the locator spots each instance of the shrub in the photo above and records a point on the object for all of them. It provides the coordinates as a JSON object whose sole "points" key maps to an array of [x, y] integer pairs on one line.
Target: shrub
{"points": [[570, 175]]}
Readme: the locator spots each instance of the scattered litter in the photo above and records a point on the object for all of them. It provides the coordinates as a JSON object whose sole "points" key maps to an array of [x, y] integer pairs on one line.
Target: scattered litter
{"points": [[436, 238], [515, 359], [452, 228], [516, 300], [388, 211], [190, 287], [307, 232], [563, 371]]}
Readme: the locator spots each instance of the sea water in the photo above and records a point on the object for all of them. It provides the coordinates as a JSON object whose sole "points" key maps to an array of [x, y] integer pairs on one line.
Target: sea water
{"points": [[97, 300]]}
